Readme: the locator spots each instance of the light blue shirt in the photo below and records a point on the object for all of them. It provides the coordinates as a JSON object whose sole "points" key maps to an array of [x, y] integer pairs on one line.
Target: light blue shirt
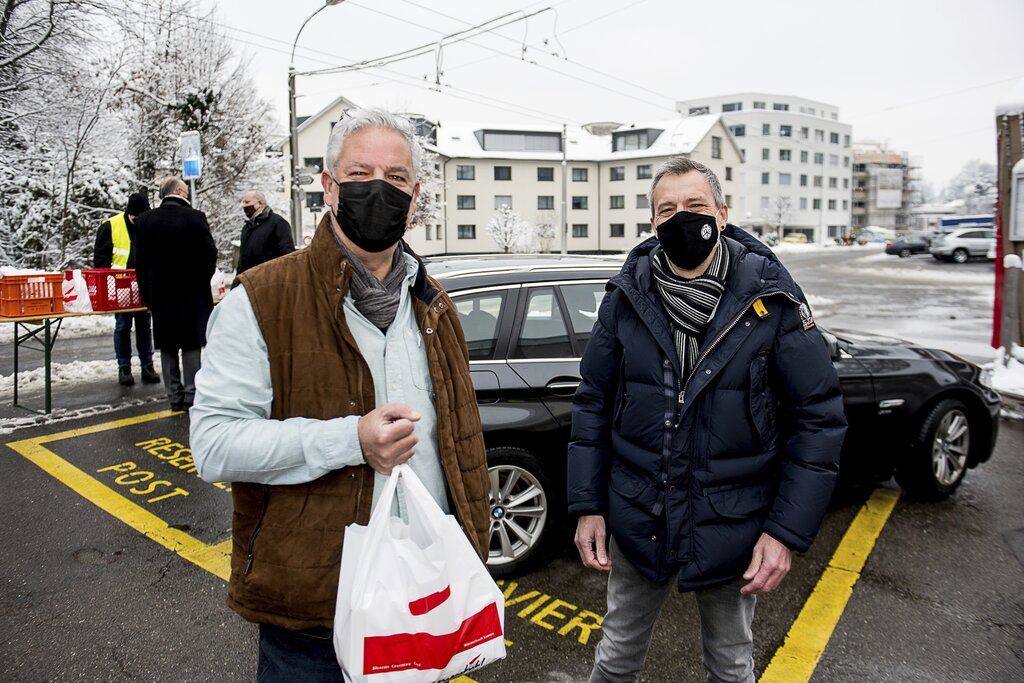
{"points": [[233, 437]]}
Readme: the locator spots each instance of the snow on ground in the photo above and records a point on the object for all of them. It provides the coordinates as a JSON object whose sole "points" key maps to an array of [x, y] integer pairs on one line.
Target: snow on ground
{"points": [[72, 327], [1008, 379], [75, 372]]}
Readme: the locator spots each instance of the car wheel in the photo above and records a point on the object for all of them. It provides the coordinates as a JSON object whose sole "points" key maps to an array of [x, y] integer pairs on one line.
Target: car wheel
{"points": [[960, 256], [936, 461], [524, 527], [904, 252]]}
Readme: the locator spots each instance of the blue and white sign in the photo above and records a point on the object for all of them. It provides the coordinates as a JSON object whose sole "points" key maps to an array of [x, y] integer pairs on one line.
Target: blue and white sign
{"points": [[191, 155]]}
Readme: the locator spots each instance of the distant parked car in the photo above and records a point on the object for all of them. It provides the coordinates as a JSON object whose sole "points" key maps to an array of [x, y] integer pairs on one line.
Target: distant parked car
{"points": [[908, 245], [963, 244], [925, 415], [795, 238]]}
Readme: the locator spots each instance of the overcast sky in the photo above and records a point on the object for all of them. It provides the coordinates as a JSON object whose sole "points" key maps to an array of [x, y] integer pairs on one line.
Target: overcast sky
{"points": [[922, 77]]}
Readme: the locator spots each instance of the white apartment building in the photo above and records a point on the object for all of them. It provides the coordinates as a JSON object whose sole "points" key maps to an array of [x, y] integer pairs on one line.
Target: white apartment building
{"points": [[608, 169], [797, 162]]}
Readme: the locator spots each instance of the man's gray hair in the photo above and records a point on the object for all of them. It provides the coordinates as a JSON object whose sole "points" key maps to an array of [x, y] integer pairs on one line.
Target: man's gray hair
{"points": [[370, 117], [680, 165], [170, 184], [260, 197]]}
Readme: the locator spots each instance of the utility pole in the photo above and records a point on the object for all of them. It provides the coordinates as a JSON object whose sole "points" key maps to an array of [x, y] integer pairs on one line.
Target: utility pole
{"points": [[565, 191], [1010, 238]]}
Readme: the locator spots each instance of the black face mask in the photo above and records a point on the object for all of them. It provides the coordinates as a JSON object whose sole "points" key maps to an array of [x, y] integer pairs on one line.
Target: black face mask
{"points": [[372, 213], [688, 238], [250, 211]]}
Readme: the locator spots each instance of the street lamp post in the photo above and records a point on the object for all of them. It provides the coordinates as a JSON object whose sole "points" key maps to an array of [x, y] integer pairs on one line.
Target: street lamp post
{"points": [[293, 132]]}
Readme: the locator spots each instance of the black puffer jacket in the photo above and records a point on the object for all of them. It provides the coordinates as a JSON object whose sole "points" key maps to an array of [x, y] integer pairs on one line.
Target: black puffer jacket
{"points": [[265, 237], [689, 474]]}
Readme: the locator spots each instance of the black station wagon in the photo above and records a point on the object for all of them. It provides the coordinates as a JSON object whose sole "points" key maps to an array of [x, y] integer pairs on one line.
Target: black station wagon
{"points": [[923, 415]]}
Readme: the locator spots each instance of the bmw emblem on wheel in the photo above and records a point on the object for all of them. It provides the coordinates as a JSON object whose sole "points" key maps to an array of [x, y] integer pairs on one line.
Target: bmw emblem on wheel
{"points": [[705, 232]]}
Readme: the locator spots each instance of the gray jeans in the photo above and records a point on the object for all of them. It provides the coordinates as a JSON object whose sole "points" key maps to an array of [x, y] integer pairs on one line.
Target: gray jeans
{"points": [[180, 378], [634, 604]]}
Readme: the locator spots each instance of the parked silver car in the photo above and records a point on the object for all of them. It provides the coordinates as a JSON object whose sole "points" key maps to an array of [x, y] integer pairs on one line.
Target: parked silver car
{"points": [[964, 244]]}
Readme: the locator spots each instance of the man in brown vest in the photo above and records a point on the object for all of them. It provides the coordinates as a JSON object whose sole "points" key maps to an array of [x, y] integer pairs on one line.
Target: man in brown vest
{"points": [[324, 370]]}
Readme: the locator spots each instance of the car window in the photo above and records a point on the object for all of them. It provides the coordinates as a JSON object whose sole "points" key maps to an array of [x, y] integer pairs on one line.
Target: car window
{"points": [[543, 333], [972, 235], [479, 314], [582, 301]]}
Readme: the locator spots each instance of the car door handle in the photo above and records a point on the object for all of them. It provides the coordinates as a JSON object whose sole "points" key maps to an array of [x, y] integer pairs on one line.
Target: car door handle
{"points": [[563, 387]]}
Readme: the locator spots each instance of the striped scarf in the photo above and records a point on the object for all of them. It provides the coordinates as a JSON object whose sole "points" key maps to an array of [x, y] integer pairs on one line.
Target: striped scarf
{"points": [[690, 303]]}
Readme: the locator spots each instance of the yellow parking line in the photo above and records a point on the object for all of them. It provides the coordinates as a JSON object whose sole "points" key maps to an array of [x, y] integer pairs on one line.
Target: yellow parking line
{"points": [[213, 558], [796, 660]]}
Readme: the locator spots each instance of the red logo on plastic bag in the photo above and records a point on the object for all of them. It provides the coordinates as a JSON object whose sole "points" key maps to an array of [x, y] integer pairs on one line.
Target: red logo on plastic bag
{"points": [[425, 604]]}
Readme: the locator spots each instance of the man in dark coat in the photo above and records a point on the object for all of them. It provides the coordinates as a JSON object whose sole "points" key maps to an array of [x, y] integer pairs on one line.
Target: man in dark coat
{"points": [[115, 248], [265, 235], [706, 430], [175, 260]]}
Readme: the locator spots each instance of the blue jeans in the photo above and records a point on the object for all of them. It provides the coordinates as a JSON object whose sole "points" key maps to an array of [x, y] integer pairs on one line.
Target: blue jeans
{"points": [[123, 338], [297, 656], [634, 604]]}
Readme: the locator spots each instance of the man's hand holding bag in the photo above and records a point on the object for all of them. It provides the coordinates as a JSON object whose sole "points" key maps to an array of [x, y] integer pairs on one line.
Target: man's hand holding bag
{"points": [[415, 603]]}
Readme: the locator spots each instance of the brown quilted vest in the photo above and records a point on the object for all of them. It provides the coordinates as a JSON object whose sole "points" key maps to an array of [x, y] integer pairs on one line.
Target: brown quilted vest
{"points": [[287, 540]]}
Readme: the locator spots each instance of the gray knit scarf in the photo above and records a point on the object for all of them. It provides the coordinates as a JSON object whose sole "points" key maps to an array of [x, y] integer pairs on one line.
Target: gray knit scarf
{"points": [[376, 300], [690, 303]]}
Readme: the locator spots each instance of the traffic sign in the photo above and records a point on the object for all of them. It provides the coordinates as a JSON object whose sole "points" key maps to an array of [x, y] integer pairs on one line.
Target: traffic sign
{"points": [[191, 155]]}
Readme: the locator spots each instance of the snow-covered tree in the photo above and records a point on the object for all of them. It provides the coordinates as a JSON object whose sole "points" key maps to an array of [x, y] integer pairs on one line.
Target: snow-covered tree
{"points": [[508, 230], [975, 185], [428, 204], [546, 234], [778, 214]]}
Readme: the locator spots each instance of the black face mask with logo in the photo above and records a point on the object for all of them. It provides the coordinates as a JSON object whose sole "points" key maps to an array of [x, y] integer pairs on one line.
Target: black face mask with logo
{"points": [[372, 213], [688, 238]]}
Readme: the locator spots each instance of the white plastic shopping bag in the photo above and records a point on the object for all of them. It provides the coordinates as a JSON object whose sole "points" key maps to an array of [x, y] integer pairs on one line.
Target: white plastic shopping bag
{"points": [[75, 292], [415, 603]]}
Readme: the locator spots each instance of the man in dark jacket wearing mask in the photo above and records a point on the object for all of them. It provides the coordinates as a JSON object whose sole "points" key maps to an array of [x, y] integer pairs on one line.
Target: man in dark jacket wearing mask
{"points": [[707, 446], [265, 235]]}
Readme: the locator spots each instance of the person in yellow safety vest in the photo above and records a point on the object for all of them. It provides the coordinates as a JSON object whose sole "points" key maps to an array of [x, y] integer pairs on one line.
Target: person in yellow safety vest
{"points": [[115, 249]]}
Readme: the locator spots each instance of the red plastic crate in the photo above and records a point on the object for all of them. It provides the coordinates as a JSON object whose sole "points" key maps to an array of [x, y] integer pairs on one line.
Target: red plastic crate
{"points": [[111, 289], [22, 295]]}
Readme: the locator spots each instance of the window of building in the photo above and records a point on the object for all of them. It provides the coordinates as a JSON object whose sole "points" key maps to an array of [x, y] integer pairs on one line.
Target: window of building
{"points": [[786, 131], [785, 179], [579, 229], [819, 158], [580, 175], [635, 139], [803, 203], [579, 202], [728, 172], [785, 155], [641, 228], [846, 183], [641, 202], [846, 141], [831, 205], [464, 172], [617, 230], [617, 201], [518, 141], [816, 205], [803, 180], [765, 203], [803, 157], [833, 138], [617, 173], [804, 132], [728, 200], [766, 154], [833, 183], [846, 162], [738, 131], [545, 202], [716, 147], [698, 111], [819, 135], [765, 178], [732, 106], [314, 164], [817, 181], [438, 236], [778, 106], [501, 200], [833, 159], [545, 173], [465, 201], [758, 105], [643, 171], [766, 129], [846, 204], [503, 173], [467, 232]]}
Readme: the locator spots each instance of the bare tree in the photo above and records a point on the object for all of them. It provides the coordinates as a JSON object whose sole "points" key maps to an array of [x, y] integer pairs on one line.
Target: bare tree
{"points": [[546, 236], [778, 214], [508, 230]]}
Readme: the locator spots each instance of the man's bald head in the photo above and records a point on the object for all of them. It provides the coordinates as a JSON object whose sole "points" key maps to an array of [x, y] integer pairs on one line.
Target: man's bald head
{"points": [[173, 186]]}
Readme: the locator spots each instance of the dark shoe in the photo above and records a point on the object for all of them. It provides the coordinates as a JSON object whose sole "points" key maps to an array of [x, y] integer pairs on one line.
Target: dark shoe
{"points": [[149, 375], [178, 405], [124, 377]]}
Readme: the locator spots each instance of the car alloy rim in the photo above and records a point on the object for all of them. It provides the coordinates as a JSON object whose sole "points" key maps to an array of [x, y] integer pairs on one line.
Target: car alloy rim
{"points": [[519, 513], [949, 451]]}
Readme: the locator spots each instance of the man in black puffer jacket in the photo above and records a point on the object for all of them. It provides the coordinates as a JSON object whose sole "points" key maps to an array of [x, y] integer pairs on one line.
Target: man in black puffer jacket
{"points": [[706, 431], [265, 235]]}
